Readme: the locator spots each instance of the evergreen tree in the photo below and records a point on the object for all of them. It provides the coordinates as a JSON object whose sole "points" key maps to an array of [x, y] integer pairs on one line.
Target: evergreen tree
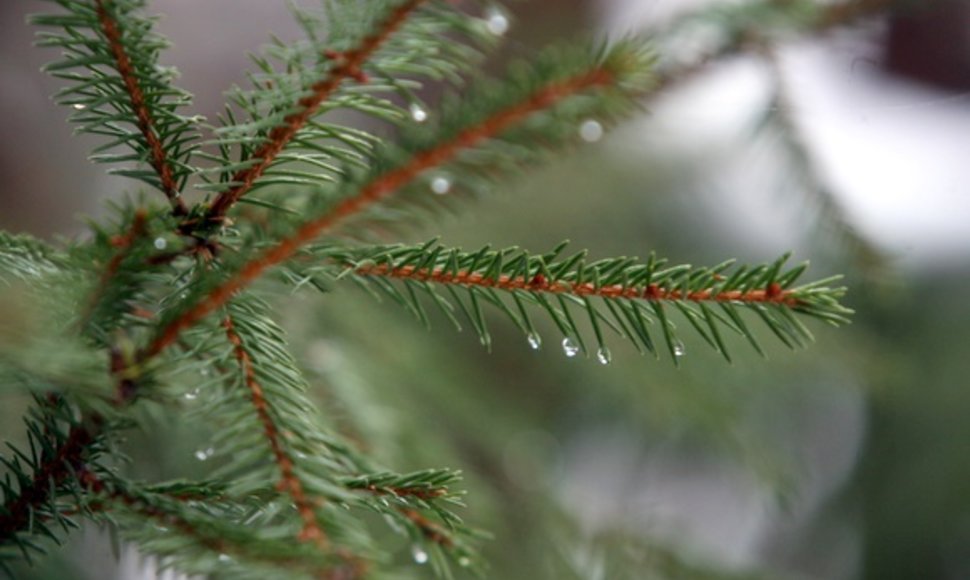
{"points": [[168, 312]]}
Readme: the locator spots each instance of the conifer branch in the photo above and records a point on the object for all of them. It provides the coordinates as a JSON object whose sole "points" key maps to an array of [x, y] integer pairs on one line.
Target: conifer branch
{"points": [[217, 540], [745, 32], [159, 159], [347, 65], [432, 531], [773, 294], [110, 60], [780, 116], [620, 293], [123, 244], [57, 466], [290, 482], [375, 190]]}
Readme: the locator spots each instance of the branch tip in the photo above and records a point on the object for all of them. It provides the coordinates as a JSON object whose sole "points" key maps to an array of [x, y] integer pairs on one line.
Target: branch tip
{"points": [[159, 159]]}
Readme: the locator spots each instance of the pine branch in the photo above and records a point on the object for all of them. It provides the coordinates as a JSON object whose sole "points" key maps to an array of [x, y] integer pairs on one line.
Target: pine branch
{"points": [[347, 66], [159, 160], [629, 295], [290, 482], [613, 71]]}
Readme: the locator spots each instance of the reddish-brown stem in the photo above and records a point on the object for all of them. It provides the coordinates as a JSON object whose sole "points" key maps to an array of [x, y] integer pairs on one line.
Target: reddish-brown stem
{"points": [[289, 482], [377, 189], [159, 159], [425, 493], [53, 471], [773, 294], [123, 243], [347, 65], [432, 531]]}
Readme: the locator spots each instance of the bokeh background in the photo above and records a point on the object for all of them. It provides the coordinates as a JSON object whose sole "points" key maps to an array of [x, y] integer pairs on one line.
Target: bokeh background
{"points": [[848, 460]]}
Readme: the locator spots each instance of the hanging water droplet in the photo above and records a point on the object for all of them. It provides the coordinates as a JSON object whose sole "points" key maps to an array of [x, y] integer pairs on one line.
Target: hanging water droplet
{"points": [[570, 347], [604, 355], [418, 113], [679, 348], [591, 131], [79, 107], [464, 561], [191, 395], [160, 243], [203, 454], [441, 185], [535, 341], [496, 21], [419, 555]]}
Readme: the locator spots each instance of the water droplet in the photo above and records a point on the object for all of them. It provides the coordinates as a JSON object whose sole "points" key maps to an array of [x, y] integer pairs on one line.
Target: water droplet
{"points": [[604, 355], [160, 243], [191, 395], [419, 555], [535, 341], [570, 347], [79, 107], [418, 113], [225, 558], [441, 185], [591, 131], [496, 21], [679, 348], [203, 454], [464, 561]]}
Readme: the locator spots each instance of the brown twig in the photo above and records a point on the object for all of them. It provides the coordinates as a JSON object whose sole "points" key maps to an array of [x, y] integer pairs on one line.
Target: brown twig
{"points": [[377, 189], [289, 481], [347, 65], [159, 159], [773, 294]]}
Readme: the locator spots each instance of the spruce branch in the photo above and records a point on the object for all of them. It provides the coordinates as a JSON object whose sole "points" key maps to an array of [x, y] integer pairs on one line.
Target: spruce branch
{"points": [[289, 481], [621, 293], [286, 494], [159, 160], [25, 259], [60, 445], [614, 70], [224, 546], [347, 65], [780, 122], [742, 30], [123, 243], [110, 60]]}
